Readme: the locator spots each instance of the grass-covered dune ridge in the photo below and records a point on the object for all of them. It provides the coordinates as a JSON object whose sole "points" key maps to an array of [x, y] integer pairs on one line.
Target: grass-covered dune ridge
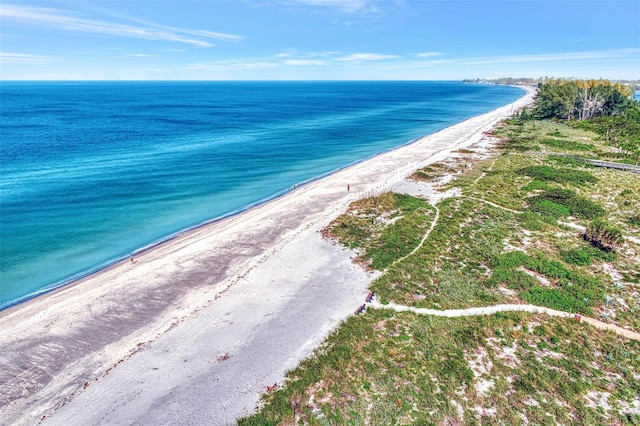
{"points": [[515, 231]]}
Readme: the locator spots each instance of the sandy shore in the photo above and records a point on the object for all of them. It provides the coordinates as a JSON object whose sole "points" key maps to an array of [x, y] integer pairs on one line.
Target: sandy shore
{"points": [[195, 330]]}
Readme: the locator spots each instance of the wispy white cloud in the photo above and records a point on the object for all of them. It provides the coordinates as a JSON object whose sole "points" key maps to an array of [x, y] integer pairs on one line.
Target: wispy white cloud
{"points": [[545, 58], [344, 6], [295, 55], [208, 34], [323, 54], [359, 57], [144, 22], [141, 55], [289, 58], [287, 53], [23, 58], [305, 62], [64, 20], [429, 54], [232, 64], [558, 57]]}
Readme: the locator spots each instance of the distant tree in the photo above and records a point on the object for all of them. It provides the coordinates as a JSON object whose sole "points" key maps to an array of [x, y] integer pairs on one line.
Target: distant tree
{"points": [[591, 99], [581, 99], [619, 99], [556, 99], [622, 131]]}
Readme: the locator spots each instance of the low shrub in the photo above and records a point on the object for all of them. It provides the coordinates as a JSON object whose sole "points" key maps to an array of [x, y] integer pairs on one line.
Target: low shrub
{"points": [[584, 256], [576, 257], [512, 259], [572, 292], [560, 160], [553, 174], [549, 209], [566, 144], [514, 122], [532, 221], [548, 268], [559, 299], [578, 206], [556, 133], [535, 185], [512, 278], [603, 235]]}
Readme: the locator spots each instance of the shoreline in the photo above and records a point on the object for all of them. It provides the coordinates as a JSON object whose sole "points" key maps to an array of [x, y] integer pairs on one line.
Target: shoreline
{"points": [[81, 276], [176, 290]]}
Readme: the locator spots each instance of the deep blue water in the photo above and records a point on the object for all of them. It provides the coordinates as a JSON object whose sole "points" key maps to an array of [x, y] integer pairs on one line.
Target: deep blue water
{"points": [[92, 171]]}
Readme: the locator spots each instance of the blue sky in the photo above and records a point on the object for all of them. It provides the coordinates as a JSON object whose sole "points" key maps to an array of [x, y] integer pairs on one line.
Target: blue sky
{"points": [[317, 39]]}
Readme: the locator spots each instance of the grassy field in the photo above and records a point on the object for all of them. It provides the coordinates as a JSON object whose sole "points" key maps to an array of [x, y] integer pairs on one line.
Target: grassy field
{"points": [[514, 235]]}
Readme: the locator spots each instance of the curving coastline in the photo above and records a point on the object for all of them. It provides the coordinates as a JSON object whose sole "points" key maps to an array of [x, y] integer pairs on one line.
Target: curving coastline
{"points": [[125, 187], [208, 311]]}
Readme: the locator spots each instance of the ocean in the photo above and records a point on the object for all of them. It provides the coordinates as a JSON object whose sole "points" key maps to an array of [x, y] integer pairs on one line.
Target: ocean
{"points": [[92, 172]]}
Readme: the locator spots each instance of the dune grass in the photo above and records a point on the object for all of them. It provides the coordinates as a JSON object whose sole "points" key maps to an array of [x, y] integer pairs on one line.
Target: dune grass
{"points": [[384, 228], [401, 368], [501, 241]]}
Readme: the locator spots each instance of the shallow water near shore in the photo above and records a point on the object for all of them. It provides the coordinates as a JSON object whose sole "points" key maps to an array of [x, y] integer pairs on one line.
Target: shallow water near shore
{"points": [[93, 171]]}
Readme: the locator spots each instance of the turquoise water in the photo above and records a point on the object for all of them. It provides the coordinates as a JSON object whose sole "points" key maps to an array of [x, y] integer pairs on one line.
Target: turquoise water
{"points": [[93, 171]]}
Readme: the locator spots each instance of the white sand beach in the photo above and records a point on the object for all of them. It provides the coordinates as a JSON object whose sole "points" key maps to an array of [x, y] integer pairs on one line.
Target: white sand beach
{"points": [[196, 329]]}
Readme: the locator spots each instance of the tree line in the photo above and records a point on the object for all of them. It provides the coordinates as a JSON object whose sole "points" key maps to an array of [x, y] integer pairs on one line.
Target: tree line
{"points": [[599, 105], [581, 99], [530, 81]]}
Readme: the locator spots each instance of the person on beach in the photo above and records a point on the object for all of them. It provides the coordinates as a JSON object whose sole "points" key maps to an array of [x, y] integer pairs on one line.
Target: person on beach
{"points": [[348, 188], [132, 261]]}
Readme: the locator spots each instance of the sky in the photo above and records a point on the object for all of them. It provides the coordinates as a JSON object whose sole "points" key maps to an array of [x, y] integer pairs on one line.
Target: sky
{"points": [[318, 39]]}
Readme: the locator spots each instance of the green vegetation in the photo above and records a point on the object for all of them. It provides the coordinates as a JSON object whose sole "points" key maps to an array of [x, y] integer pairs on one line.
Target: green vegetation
{"points": [[595, 105], [458, 249], [566, 145], [431, 172], [388, 368], [499, 242], [569, 290], [603, 235], [557, 201], [556, 160], [549, 209], [554, 174], [535, 185], [383, 228], [581, 99], [585, 256]]}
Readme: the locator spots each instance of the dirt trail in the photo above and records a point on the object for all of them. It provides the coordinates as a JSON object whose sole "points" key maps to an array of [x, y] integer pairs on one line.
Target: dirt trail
{"points": [[498, 206], [490, 310], [434, 222]]}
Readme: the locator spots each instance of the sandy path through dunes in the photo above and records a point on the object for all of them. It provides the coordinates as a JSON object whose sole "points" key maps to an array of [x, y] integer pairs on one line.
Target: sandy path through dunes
{"points": [[490, 310], [262, 286]]}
